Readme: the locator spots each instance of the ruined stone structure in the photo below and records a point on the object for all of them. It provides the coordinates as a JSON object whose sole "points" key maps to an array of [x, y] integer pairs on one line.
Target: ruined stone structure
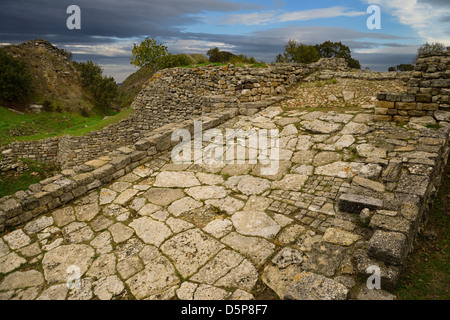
{"points": [[427, 97], [350, 193]]}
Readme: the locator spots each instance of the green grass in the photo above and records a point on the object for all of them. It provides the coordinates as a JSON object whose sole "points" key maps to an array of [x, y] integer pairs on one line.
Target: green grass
{"points": [[13, 183], [26, 127], [427, 274]]}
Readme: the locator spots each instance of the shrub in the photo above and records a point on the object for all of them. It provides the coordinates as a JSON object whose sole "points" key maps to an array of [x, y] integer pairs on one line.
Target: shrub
{"points": [[84, 112], [47, 106], [103, 89], [298, 53], [16, 83], [149, 52]]}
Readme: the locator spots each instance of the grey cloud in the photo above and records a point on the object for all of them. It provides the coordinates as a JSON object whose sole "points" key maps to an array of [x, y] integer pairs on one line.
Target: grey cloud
{"points": [[440, 3], [121, 19], [382, 61]]}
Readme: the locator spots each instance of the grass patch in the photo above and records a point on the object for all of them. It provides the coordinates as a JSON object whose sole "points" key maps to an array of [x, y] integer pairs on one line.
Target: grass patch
{"points": [[427, 274], [433, 126], [26, 127], [9, 184]]}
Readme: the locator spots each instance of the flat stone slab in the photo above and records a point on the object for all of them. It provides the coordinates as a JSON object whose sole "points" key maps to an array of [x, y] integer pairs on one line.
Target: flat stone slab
{"points": [[190, 250], [311, 286], [354, 203], [56, 262], [157, 276], [255, 223], [318, 126], [151, 231], [163, 196], [340, 237], [174, 179]]}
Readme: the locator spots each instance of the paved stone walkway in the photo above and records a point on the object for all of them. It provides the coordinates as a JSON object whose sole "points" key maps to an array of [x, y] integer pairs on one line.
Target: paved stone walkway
{"points": [[219, 231]]}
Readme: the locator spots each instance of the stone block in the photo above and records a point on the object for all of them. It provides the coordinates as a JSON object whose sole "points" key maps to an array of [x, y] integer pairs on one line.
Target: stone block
{"points": [[389, 223], [421, 97], [385, 104], [405, 105], [354, 203], [389, 247], [103, 171], [311, 286], [143, 145], [120, 162], [389, 273], [382, 118]]}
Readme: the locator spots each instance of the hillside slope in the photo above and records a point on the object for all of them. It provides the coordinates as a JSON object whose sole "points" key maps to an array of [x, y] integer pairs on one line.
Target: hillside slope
{"points": [[54, 75]]}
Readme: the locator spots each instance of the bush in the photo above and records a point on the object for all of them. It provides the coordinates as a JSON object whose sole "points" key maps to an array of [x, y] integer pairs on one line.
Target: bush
{"points": [[149, 52], [431, 47], [199, 58], [103, 89], [298, 53], [84, 112], [47, 106], [16, 83]]}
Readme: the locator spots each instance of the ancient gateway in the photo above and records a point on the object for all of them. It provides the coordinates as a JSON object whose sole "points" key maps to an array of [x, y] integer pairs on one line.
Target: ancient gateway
{"points": [[353, 188]]}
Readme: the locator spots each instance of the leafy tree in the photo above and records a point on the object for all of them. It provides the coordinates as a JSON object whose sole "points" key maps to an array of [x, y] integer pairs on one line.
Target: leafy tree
{"points": [[215, 55], [392, 69], [149, 52], [330, 49], [103, 89], [405, 67], [431, 47], [298, 53], [89, 72], [105, 93], [16, 83]]}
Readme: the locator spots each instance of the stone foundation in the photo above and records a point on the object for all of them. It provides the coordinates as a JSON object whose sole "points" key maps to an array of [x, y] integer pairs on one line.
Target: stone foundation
{"points": [[428, 96]]}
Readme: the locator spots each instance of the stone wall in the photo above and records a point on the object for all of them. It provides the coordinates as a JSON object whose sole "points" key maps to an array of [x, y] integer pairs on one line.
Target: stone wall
{"points": [[73, 183], [398, 206], [428, 96], [172, 95], [39, 150]]}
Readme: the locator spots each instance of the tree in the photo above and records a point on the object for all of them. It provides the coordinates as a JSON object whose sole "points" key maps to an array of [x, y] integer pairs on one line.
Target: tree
{"points": [[405, 67], [392, 69], [431, 47], [217, 56], [298, 53], [89, 72], [16, 83], [103, 89], [330, 49], [149, 52], [105, 93]]}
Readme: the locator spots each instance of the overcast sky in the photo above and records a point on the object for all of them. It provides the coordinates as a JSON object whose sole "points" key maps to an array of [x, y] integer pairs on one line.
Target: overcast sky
{"points": [[254, 28]]}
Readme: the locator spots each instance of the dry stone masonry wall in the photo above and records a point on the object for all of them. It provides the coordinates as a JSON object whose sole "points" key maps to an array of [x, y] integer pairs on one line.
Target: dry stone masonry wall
{"points": [[427, 99], [172, 95]]}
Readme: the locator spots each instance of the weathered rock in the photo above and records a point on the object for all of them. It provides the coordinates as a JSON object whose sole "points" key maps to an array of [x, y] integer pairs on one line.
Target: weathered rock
{"points": [[151, 231], [389, 247], [56, 262], [355, 203], [190, 250], [255, 223], [340, 237], [310, 286]]}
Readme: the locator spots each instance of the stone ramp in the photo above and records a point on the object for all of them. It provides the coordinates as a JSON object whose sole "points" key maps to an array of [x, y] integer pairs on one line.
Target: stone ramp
{"points": [[198, 231]]}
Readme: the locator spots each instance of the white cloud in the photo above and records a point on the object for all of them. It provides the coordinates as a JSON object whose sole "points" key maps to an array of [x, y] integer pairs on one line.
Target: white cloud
{"points": [[406, 49], [425, 18], [196, 46], [109, 50], [280, 16]]}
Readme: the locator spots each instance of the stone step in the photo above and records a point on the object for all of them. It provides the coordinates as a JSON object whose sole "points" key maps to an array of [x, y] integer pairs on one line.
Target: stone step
{"points": [[354, 203]]}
